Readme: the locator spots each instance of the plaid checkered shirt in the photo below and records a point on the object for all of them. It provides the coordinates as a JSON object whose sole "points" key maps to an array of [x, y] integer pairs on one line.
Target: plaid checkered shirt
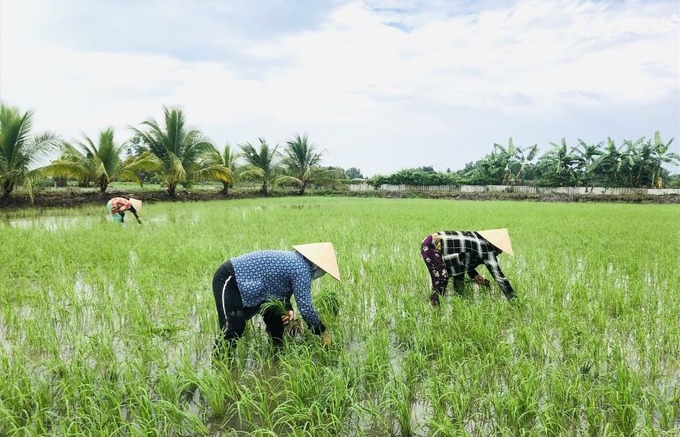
{"points": [[463, 251]]}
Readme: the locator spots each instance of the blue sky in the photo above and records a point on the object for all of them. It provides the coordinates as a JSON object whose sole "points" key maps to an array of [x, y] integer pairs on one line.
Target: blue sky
{"points": [[377, 84]]}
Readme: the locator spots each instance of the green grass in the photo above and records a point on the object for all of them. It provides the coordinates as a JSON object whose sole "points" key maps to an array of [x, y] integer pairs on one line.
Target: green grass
{"points": [[107, 329]]}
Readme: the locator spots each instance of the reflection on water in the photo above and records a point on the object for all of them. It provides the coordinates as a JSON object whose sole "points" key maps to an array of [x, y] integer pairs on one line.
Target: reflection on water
{"points": [[56, 223], [51, 223]]}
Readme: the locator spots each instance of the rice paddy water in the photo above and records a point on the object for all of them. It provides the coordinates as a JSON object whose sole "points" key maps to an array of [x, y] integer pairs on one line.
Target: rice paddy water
{"points": [[108, 329]]}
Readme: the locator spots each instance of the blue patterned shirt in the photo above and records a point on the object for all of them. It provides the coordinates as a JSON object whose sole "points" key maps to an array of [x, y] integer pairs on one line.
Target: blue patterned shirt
{"points": [[276, 274]]}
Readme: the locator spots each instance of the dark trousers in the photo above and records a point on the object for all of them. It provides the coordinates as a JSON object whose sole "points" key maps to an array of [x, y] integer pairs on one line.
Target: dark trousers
{"points": [[231, 313]]}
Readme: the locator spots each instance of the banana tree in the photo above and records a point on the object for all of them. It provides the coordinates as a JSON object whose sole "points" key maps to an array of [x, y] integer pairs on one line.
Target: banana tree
{"points": [[585, 157], [513, 160], [558, 166], [660, 156]]}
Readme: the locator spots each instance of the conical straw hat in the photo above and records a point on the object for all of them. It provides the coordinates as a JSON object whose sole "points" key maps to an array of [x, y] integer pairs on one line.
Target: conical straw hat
{"points": [[136, 204], [499, 238], [321, 254]]}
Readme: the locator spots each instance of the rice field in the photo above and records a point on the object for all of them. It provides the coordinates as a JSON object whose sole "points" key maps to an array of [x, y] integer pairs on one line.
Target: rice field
{"points": [[108, 329]]}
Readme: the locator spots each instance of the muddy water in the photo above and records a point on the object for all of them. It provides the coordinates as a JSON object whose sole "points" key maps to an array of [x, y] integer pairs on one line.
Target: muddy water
{"points": [[58, 223], [52, 223]]}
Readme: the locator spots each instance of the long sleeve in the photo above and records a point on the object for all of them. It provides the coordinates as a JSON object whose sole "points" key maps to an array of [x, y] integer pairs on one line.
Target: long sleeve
{"points": [[302, 290], [472, 273], [491, 263]]}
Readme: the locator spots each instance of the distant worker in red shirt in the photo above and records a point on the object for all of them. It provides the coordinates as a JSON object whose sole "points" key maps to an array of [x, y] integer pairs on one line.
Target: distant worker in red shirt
{"points": [[118, 206]]}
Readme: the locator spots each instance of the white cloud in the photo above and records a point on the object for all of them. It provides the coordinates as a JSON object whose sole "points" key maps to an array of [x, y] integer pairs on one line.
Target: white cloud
{"points": [[373, 85]]}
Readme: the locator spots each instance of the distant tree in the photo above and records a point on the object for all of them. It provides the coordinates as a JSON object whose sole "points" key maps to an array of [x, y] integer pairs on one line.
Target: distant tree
{"points": [[513, 160], [136, 146], [69, 165], [585, 157], [557, 166], [520, 161], [673, 180], [302, 164], [641, 170], [221, 165], [660, 156], [99, 163], [21, 152], [261, 163], [489, 170], [416, 176], [633, 164], [611, 166], [178, 148], [135, 150], [353, 173]]}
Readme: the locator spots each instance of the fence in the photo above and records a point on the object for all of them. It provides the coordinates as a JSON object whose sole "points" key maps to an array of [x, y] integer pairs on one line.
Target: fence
{"points": [[518, 189]]}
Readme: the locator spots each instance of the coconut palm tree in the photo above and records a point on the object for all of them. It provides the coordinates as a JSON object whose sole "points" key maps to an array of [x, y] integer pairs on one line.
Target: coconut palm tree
{"points": [[301, 161], [262, 163], [220, 166], [20, 152], [99, 163], [176, 147]]}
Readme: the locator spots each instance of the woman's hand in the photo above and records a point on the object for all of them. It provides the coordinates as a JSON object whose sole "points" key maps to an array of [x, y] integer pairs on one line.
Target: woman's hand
{"points": [[481, 280], [286, 319]]}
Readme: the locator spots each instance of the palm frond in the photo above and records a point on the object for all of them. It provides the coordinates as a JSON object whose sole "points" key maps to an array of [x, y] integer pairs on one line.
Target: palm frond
{"points": [[20, 151]]}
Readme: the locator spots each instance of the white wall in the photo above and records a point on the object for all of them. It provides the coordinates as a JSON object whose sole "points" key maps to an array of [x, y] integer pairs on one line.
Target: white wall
{"points": [[518, 189]]}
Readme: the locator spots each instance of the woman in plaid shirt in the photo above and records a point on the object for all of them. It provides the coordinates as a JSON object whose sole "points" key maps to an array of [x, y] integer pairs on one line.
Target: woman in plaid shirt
{"points": [[456, 253]]}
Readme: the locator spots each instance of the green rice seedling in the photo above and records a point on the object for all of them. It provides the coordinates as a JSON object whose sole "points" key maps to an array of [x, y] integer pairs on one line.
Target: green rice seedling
{"points": [[217, 389], [376, 365], [108, 329], [400, 398], [328, 304], [402, 389], [518, 404], [621, 400], [668, 407]]}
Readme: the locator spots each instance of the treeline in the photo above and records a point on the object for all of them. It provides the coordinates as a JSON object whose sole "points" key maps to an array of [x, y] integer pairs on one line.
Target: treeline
{"points": [[172, 154], [635, 164], [168, 152]]}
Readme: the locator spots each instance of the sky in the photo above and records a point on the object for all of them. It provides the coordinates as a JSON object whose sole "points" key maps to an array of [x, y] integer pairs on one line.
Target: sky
{"points": [[380, 85]]}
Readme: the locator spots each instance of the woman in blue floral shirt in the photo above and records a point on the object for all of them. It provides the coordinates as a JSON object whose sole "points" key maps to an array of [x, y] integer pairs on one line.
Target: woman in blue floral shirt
{"points": [[242, 284]]}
